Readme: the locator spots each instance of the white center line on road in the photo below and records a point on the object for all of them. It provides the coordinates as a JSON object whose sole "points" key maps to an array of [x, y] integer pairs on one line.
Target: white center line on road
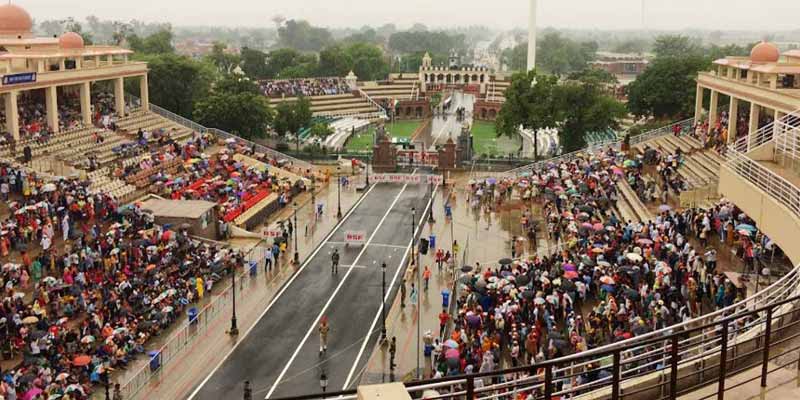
{"points": [[283, 289], [333, 295], [395, 246], [422, 221]]}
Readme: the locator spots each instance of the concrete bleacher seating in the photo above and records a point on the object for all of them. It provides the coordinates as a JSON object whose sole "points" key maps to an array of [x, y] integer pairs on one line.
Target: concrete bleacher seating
{"points": [[349, 104], [343, 129], [101, 182], [400, 89], [640, 212], [150, 121]]}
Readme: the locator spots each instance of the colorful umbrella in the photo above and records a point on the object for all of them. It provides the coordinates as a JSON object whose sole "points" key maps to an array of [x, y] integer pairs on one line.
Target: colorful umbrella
{"points": [[450, 343], [570, 274], [607, 280], [451, 353], [81, 360]]}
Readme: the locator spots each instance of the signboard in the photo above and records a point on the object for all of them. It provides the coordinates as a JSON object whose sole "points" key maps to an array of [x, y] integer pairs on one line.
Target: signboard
{"points": [[420, 158], [406, 179], [272, 233], [16, 79], [355, 237]]}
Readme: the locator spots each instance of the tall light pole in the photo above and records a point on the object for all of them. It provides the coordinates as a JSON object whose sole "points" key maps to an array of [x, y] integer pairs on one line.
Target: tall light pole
{"points": [[383, 303], [296, 235], [369, 157], [313, 194], [339, 191], [419, 280], [234, 329]]}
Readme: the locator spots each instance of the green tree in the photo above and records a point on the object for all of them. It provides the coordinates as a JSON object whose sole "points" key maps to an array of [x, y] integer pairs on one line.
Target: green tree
{"points": [[422, 40], [300, 35], [594, 76], [254, 63], [321, 130], [177, 82], [333, 61], [290, 117], [515, 58], [676, 46], [586, 109], [289, 63], [558, 55], [224, 61], [75, 26], [531, 102], [667, 87], [156, 43], [234, 84], [368, 62], [244, 114]]}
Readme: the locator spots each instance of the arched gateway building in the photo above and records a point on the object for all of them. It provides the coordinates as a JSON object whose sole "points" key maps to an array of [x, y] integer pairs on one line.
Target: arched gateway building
{"points": [[58, 65]]}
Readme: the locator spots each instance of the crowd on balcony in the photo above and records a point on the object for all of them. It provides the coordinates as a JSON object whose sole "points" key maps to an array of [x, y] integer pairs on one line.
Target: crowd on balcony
{"points": [[607, 280], [716, 136], [73, 312], [304, 87]]}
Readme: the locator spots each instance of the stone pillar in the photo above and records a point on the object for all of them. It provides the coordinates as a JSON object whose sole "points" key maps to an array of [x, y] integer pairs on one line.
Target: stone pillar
{"points": [[755, 114], [12, 114], [119, 96], [62, 64], [51, 103], [733, 119], [712, 109], [96, 61], [144, 93], [79, 62], [698, 103], [86, 103]]}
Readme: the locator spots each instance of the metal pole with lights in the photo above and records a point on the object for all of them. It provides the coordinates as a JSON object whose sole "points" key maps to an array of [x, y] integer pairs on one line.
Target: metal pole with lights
{"points": [[234, 329], [339, 191], [296, 235], [383, 303], [323, 383]]}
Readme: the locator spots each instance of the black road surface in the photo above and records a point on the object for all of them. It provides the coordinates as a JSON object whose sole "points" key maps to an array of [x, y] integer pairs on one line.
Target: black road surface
{"points": [[274, 356]]}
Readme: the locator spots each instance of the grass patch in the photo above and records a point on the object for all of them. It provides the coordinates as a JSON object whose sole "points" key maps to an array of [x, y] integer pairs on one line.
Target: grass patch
{"points": [[485, 140], [362, 141]]}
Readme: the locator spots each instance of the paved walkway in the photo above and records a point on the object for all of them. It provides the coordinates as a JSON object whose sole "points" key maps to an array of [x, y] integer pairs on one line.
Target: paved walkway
{"points": [[485, 237], [186, 370]]}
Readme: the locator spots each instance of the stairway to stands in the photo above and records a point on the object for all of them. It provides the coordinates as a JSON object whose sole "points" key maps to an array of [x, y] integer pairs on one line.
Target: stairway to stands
{"points": [[641, 213]]}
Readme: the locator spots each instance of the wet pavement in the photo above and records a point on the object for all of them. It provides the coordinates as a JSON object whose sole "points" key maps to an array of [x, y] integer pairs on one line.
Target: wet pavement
{"points": [[446, 126]]}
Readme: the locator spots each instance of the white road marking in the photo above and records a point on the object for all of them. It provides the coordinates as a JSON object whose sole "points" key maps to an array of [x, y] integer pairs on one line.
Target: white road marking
{"points": [[395, 246], [283, 290], [333, 295], [391, 285]]}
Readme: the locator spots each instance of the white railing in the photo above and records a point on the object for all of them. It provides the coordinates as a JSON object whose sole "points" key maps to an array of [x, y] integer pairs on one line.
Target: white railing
{"points": [[686, 126], [771, 183], [788, 122], [787, 143], [364, 94]]}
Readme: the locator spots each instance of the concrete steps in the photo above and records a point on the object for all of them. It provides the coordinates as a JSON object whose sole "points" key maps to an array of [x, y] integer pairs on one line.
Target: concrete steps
{"points": [[639, 209]]}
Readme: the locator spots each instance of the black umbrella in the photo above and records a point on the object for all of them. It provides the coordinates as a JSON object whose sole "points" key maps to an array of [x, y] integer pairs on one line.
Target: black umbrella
{"points": [[568, 285], [505, 261], [528, 294], [523, 280], [466, 269]]}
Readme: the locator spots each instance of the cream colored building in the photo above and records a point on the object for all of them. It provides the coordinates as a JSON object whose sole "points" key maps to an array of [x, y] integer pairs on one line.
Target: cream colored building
{"points": [[30, 63], [767, 80]]}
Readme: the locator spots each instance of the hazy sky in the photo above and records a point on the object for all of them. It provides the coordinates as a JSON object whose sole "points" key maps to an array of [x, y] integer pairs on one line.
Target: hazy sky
{"points": [[600, 14]]}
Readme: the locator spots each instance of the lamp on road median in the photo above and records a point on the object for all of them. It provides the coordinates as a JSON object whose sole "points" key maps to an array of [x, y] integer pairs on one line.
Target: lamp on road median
{"points": [[296, 234], [323, 382], [383, 303], [234, 329], [339, 191]]}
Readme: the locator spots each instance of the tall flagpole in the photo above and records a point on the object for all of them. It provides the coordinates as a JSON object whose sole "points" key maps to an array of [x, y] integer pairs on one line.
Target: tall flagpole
{"points": [[532, 36]]}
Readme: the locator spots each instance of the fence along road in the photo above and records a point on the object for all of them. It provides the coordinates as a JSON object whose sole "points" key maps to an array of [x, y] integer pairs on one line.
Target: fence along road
{"points": [[280, 354]]}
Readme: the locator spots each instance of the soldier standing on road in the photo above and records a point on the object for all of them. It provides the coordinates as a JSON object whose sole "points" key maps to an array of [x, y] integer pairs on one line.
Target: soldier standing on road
{"points": [[392, 352], [324, 328], [335, 261], [248, 391]]}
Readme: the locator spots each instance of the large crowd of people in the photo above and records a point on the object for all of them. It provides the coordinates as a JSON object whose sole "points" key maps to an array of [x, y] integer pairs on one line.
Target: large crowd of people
{"points": [[79, 310], [304, 87], [608, 280]]}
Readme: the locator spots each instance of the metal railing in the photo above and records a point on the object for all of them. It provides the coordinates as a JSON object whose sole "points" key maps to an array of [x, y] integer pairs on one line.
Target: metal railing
{"points": [[774, 129], [663, 365], [369, 99], [189, 331], [787, 143]]}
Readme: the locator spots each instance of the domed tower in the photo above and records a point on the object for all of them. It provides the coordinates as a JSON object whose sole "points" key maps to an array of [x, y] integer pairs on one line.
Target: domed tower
{"points": [[70, 41], [765, 52], [455, 60], [15, 22]]}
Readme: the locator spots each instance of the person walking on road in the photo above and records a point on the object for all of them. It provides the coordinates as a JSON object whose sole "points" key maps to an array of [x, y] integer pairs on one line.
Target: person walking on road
{"points": [[335, 261], [403, 293], [248, 391], [268, 260], [324, 328], [443, 318], [426, 275], [413, 296]]}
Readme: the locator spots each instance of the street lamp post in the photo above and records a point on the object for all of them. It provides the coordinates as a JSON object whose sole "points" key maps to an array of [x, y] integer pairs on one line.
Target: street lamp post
{"points": [[313, 194], [383, 303], [339, 191], [234, 329], [323, 383], [367, 168], [296, 235], [419, 280]]}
